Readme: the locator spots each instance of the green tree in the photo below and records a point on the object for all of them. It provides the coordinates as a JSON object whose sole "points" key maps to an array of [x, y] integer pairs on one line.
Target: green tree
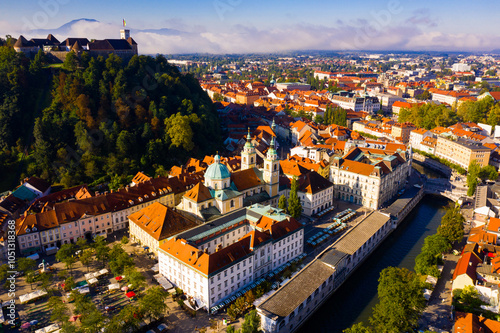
{"points": [[30, 278], [230, 329], [357, 328], [251, 323], [282, 203], [86, 258], [319, 119], [128, 319], [401, 301], [93, 320], [472, 175], [66, 254], [70, 62], [179, 131], [119, 260], [124, 240], [153, 303], [135, 278], [26, 264], [294, 205], [58, 310], [467, 299], [426, 262], [488, 172], [101, 249], [81, 243], [452, 225], [233, 312]]}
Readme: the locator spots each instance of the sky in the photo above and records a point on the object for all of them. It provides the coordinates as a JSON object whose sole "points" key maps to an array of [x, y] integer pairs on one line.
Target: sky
{"points": [[243, 26]]}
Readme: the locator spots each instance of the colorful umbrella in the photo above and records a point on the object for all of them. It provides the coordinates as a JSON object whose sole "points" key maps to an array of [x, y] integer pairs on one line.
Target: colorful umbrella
{"points": [[130, 294], [25, 326], [124, 288], [118, 278]]}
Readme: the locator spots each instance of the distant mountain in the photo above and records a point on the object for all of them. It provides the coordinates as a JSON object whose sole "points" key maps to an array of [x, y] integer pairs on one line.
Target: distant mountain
{"points": [[65, 30], [62, 30]]}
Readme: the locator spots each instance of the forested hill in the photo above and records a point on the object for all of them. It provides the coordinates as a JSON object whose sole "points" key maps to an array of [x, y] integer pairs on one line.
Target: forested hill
{"points": [[97, 120]]}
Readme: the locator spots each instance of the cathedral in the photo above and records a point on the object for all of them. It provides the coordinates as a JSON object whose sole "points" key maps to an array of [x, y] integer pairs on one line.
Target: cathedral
{"points": [[222, 192]]}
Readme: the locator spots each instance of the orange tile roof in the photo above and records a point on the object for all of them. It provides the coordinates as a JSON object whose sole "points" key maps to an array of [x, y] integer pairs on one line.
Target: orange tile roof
{"points": [[245, 179], [292, 168], [199, 193], [467, 265], [494, 224], [419, 131], [471, 323], [160, 222], [140, 178]]}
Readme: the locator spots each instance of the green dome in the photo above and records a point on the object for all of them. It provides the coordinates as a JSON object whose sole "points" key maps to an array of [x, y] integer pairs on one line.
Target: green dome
{"points": [[217, 171]]}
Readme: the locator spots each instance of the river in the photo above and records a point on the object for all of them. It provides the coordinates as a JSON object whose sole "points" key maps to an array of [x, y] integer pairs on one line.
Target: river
{"points": [[354, 300]]}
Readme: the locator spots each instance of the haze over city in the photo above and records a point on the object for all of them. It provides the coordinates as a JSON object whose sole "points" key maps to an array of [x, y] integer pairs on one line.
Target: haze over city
{"points": [[235, 26]]}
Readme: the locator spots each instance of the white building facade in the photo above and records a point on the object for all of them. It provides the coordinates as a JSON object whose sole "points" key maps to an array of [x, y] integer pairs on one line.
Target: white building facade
{"points": [[212, 262]]}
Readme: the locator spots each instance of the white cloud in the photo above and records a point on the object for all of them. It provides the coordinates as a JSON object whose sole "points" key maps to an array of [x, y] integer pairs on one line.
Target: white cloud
{"points": [[355, 35]]}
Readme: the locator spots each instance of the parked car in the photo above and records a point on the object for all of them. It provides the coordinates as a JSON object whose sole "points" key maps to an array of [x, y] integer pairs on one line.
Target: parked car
{"points": [[162, 327]]}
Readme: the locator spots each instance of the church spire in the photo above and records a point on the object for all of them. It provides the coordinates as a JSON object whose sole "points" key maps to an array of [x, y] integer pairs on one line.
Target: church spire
{"points": [[248, 144]]}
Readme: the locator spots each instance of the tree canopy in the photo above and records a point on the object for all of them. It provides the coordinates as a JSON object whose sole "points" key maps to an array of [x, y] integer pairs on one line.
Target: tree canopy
{"points": [[294, 205], [428, 116], [401, 301], [452, 225], [98, 120]]}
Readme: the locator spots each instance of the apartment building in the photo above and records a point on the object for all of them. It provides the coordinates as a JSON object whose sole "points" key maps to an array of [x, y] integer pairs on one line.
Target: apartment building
{"points": [[446, 96], [462, 151], [369, 104], [370, 177], [210, 263], [417, 136], [64, 222], [401, 131], [314, 191]]}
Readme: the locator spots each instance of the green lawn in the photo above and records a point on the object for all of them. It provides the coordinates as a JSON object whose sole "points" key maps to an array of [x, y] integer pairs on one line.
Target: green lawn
{"points": [[54, 65]]}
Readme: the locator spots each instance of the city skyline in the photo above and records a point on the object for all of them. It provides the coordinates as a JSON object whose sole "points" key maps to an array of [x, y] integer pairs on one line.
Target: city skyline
{"points": [[235, 26]]}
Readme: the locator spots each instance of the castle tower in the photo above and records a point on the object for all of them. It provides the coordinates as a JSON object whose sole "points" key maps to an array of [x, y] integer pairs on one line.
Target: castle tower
{"points": [[273, 126], [248, 155], [271, 170], [124, 33]]}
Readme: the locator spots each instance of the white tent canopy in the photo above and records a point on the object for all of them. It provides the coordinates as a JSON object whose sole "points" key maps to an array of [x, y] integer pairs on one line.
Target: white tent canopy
{"points": [[114, 286], [163, 282], [93, 281], [48, 329], [32, 296]]}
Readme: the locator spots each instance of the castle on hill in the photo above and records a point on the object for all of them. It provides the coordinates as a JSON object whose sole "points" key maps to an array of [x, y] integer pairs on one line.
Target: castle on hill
{"points": [[125, 47]]}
